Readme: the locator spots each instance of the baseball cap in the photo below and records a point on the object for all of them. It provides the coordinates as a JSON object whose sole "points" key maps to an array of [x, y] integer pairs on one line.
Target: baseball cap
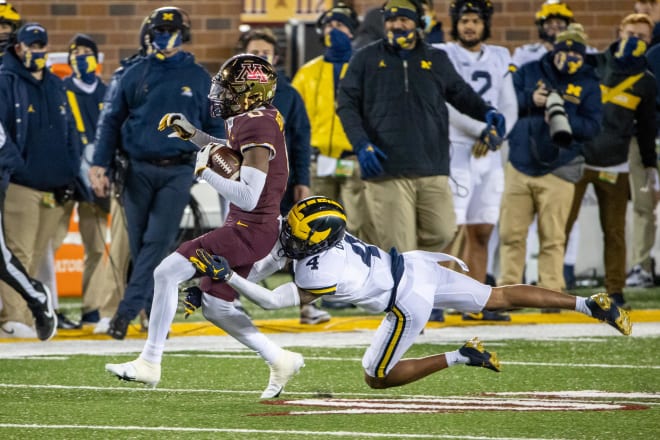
{"points": [[31, 33]]}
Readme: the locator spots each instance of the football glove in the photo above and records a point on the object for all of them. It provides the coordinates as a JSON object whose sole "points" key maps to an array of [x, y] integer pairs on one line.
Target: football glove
{"points": [[488, 141], [213, 266], [202, 161], [370, 157], [497, 120], [192, 301], [182, 128]]}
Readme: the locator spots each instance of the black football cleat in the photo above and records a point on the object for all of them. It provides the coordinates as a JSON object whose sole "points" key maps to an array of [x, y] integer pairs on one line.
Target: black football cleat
{"points": [[602, 308], [479, 357]]}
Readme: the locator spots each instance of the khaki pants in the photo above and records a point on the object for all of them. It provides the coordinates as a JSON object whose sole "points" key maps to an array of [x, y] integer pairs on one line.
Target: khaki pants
{"points": [[643, 224], [612, 202], [93, 224], [349, 191], [551, 199], [114, 270], [30, 226], [414, 213]]}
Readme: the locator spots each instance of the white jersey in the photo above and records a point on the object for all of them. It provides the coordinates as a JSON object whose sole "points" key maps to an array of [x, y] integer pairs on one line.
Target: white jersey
{"points": [[488, 73], [352, 271]]}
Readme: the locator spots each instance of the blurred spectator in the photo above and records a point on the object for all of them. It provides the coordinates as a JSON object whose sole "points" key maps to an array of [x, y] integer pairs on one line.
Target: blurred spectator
{"points": [[629, 94], [543, 168], [33, 112], [160, 172], [652, 9], [476, 168], [10, 21]]}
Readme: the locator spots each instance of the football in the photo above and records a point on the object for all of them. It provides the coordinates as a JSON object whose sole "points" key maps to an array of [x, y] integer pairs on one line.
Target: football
{"points": [[225, 162]]}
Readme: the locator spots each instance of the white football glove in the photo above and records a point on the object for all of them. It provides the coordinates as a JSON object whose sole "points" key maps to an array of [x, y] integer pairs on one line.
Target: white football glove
{"points": [[183, 129], [203, 158]]}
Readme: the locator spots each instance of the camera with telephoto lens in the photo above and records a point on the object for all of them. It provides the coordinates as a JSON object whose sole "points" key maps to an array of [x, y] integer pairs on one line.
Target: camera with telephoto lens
{"points": [[560, 129]]}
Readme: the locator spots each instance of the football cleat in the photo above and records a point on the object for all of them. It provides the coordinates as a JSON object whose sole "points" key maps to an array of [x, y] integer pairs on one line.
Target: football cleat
{"points": [[309, 314], [287, 365], [45, 318], [603, 309], [478, 356], [138, 370]]}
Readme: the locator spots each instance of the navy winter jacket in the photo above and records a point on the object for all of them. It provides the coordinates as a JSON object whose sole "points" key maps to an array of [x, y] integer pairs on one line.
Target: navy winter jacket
{"points": [[41, 149], [532, 151]]}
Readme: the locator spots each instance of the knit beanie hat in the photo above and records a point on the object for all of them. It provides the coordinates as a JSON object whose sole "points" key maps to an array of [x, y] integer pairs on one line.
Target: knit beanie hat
{"points": [[343, 14], [400, 8], [83, 40], [572, 39]]}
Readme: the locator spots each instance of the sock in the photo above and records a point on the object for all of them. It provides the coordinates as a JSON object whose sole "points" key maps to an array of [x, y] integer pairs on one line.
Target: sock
{"points": [[454, 358], [581, 306]]}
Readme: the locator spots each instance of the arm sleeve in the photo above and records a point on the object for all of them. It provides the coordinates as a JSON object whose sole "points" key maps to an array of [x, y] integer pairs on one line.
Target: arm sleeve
{"points": [[201, 138], [243, 193], [646, 126], [464, 123], [349, 97], [300, 138], [585, 122], [285, 295], [507, 102], [108, 132]]}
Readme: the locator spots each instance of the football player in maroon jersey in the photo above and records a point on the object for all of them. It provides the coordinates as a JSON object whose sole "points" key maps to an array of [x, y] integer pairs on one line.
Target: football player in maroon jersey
{"points": [[241, 94]]}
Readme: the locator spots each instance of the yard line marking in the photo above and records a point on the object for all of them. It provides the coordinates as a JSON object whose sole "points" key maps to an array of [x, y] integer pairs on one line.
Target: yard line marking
{"points": [[264, 431]]}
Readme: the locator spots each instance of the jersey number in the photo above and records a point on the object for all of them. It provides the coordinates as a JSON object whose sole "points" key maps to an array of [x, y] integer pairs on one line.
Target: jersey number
{"points": [[479, 75], [365, 251]]}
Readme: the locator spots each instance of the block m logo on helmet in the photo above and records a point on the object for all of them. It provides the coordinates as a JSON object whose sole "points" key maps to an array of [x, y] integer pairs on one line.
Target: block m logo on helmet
{"points": [[253, 72]]}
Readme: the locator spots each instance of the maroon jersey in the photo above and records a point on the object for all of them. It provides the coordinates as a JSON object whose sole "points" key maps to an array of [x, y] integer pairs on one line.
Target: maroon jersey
{"points": [[264, 127], [248, 236]]}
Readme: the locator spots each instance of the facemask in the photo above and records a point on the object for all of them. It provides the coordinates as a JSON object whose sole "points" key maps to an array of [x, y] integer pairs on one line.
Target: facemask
{"points": [[166, 40], [629, 50], [401, 39], [34, 61], [84, 67], [338, 46], [567, 63]]}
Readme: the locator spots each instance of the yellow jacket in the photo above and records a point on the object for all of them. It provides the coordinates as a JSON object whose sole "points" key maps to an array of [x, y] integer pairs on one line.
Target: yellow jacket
{"points": [[315, 83]]}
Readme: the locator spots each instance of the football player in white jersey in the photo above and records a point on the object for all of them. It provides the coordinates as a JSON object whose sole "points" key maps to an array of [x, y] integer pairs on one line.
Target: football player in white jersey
{"points": [[331, 263], [477, 171]]}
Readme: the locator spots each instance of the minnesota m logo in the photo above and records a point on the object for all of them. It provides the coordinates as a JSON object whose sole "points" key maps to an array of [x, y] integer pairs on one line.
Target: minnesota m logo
{"points": [[252, 72]]}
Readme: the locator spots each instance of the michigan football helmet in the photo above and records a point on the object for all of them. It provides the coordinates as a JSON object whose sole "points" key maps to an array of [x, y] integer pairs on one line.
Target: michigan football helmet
{"points": [[552, 9], [313, 225], [483, 8], [8, 16], [243, 83]]}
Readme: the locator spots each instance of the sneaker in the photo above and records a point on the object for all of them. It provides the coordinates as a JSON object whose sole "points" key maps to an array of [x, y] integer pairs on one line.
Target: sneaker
{"points": [[90, 317], [638, 277], [479, 357], [102, 326], [65, 323], [437, 315], [282, 370], [15, 329], [309, 314], [118, 327], [486, 315], [45, 318], [138, 370], [603, 309]]}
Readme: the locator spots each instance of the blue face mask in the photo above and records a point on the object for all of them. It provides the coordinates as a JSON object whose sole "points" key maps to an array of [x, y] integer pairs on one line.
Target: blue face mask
{"points": [[166, 40], [567, 63], [338, 46], [401, 38], [34, 61], [629, 50], [84, 67]]}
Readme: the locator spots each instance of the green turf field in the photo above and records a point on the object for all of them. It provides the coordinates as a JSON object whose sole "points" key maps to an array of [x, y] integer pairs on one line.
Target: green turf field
{"points": [[577, 387]]}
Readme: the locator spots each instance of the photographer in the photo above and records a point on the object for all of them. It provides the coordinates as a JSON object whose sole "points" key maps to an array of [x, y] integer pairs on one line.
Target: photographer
{"points": [[559, 109], [629, 91]]}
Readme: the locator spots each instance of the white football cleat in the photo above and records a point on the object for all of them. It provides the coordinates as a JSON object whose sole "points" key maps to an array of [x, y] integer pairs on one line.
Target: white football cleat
{"points": [[287, 365], [138, 370]]}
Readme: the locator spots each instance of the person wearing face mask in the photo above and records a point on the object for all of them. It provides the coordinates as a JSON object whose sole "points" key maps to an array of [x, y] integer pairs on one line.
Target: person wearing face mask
{"points": [[160, 171], [392, 104], [85, 92], [41, 150], [541, 173], [10, 21], [629, 93], [335, 172]]}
